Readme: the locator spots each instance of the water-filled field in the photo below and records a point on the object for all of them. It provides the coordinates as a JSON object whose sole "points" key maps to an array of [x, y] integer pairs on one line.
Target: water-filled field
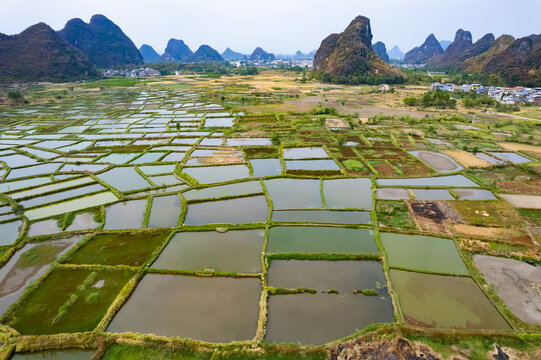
{"points": [[170, 212]]}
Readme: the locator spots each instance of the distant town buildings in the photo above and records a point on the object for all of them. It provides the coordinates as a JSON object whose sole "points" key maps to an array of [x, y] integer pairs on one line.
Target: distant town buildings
{"points": [[136, 73], [278, 63], [507, 96]]}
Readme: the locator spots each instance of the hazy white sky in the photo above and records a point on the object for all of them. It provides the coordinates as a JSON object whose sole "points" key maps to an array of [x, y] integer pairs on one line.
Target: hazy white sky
{"points": [[280, 26]]}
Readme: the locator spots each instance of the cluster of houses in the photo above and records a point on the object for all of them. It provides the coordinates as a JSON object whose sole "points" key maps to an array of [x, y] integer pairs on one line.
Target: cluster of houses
{"points": [[508, 96], [135, 73]]}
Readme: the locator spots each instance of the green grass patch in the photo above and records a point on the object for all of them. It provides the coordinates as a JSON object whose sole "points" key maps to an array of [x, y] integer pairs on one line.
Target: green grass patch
{"points": [[57, 304], [132, 249], [39, 255], [354, 165], [394, 214]]}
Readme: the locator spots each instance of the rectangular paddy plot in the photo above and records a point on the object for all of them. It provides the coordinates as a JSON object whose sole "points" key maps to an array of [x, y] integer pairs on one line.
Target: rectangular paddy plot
{"points": [[320, 240], [448, 302], [68, 300], [233, 251], [266, 167], [165, 211], [27, 265], [215, 192], [423, 253], [10, 232], [244, 210], [305, 153], [218, 174], [125, 215], [133, 249], [185, 306], [294, 193], [442, 181], [322, 216], [124, 179], [348, 193], [312, 165], [71, 205], [323, 317]]}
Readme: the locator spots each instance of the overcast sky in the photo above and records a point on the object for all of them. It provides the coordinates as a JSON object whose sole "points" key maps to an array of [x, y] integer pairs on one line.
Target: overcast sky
{"points": [[280, 26]]}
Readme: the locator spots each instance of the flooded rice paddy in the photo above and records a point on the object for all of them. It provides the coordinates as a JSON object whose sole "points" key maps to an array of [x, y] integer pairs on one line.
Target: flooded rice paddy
{"points": [[176, 305], [210, 218]]}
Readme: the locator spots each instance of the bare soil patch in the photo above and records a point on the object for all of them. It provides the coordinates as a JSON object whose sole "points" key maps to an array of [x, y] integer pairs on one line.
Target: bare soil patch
{"points": [[517, 284]]}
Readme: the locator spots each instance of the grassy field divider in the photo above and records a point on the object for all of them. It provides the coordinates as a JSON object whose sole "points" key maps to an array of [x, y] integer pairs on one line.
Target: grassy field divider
{"points": [[399, 316], [6, 351], [159, 250], [325, 257], [263, 316], [120, 299], [202, 273]]}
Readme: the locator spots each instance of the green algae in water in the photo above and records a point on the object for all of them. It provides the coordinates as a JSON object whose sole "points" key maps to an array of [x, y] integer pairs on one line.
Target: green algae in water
{"points": [[321, 240], [294, 193], [188, 307], [322, 216], [423, 253], [233, 251], [444, 302], [40, 255]]}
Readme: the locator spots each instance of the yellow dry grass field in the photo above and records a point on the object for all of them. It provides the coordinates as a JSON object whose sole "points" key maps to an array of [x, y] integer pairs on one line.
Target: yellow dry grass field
{"points": [[467, 159], [521, 147], [336, 124]]}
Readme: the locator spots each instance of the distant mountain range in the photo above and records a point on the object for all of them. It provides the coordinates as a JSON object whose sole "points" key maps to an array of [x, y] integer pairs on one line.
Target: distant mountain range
{"points": [[512, 60], [40, 54], [395, 53]]}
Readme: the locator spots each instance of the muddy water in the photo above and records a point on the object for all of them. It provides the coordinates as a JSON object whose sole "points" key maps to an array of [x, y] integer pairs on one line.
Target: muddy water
{"points": [[489, 158], [311, 165], [348, 193], [451, 180], [322, 216], [266, 167], [14, 278], [393, 194], [165, 211], [444, 302], [320, 318], [125, 215], [250, 187], [344, 276], [235, 251], [439, 162], [10, 232], [217, 174], [511, 157], [423, 253], [176, 305], [294, 193], [475, 194], [421, 194], [124, 179], [63, 195], [235, 211], [331, 240], [305, 153]]}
